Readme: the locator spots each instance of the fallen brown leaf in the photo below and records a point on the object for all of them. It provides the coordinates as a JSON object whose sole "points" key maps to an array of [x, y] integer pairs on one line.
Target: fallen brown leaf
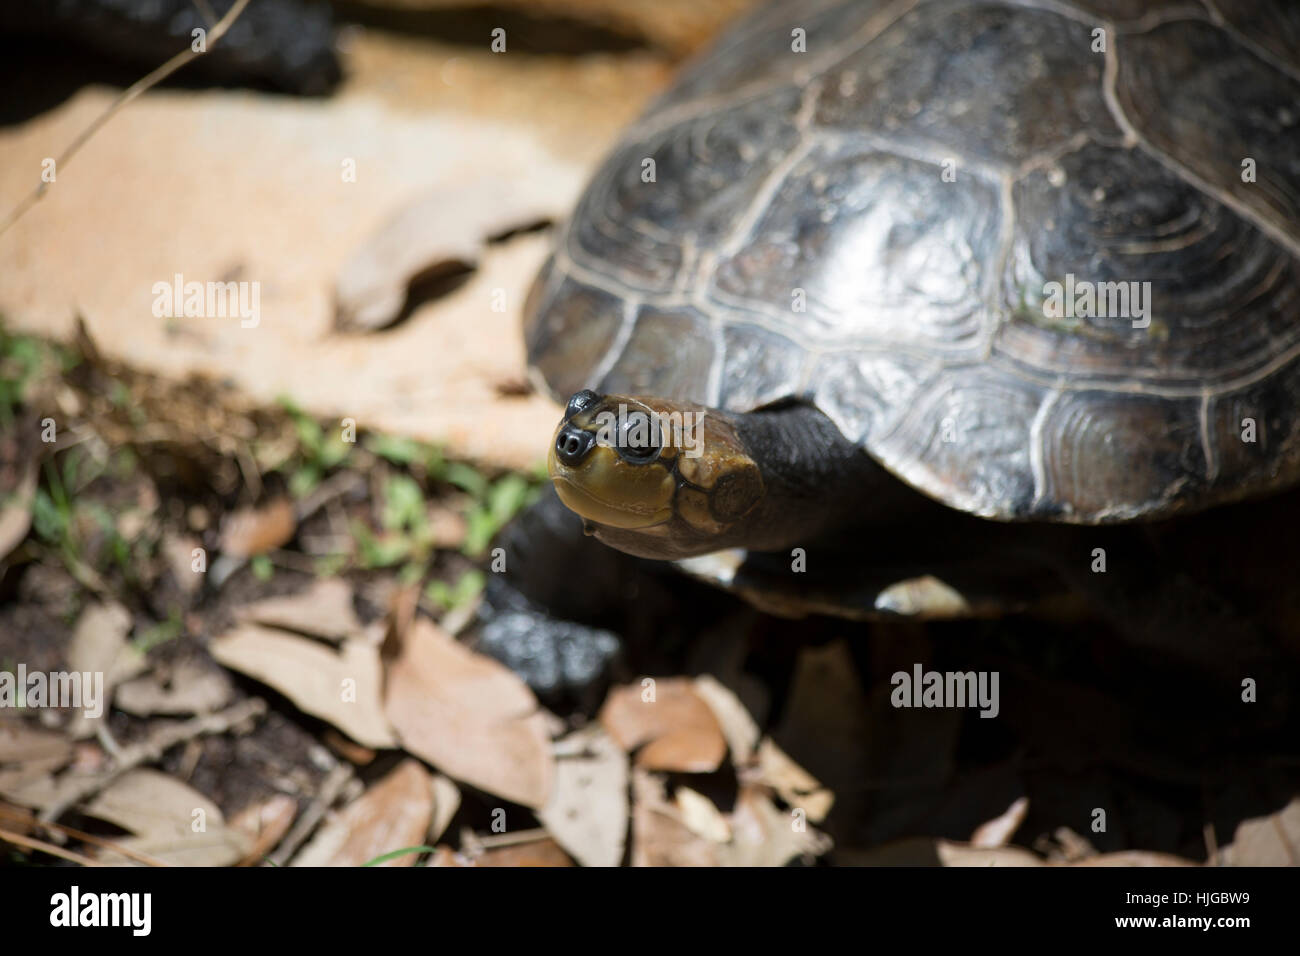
{"points": [[675, 725], [28, 753], [961, 854], [1272, 840], [762, 835], [542, 852], [188, 689], [172, 822], [469, 716], [1133, 858], [21, 742], [16, 512], [926, 852], [446, 801], [392, 814], [252, 531], [538, 853], [701, 816], [796, 786], [999, 831], [347, 749], [660, 837], [177, 551], [99, 646], [323, 610], [738, 726], [587, 812], [264, 824], [440, 233], [341, 687]]}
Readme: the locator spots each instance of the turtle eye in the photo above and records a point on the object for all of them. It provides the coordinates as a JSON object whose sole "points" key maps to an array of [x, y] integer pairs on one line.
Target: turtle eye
{"points": [[638, 440], [579, 401]]}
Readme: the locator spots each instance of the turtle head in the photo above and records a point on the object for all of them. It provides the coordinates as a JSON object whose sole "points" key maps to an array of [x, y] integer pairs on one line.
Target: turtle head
{"points": [[653, 477]]}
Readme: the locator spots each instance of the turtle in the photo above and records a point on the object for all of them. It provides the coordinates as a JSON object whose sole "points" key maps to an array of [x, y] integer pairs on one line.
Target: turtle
{"points": [[927, 307]]}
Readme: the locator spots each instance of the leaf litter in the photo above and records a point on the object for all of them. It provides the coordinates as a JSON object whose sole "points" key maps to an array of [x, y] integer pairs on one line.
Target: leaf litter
{"points": [[384, 737]]}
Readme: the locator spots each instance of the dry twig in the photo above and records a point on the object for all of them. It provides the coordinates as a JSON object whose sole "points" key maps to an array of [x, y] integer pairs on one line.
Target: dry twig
{"points": [[329, 790], [127, 95], [150, 749]]}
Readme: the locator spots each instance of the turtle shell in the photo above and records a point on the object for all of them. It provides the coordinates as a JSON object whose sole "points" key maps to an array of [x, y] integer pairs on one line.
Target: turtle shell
{"points": [[896, 211]]}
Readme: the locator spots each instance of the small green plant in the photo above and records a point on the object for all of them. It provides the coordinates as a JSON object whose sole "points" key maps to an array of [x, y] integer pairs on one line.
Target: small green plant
{"points": [[82, 531], [23, 360], [497, 504], [262, 567], [52, 516], [449, 597], [159, 633], [406, 536], [405, 851], [318, 452], [466, 478], [407, 452]]}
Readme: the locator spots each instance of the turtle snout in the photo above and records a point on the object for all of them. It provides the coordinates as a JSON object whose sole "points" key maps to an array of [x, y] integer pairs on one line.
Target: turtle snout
{"points": [[573, 444]]}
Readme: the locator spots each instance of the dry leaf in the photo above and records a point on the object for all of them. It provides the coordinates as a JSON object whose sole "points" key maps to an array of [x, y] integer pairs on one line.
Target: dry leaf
{"points": [[264, 824], [148, 801], [16, 512], [1272, 840], [701, 817], [323, 610], [469, 716], [677, 727], [796, 786], [178, 553], [1066, 846], [660, 836], [347, 749], [28, 754], [21, 742], [924, 851], [341, 687], [545, 852], [738, 726], [172, 822], [392, 814], [446, 801], [540, 852], [999, 831], [444, 855], [190, 689], [961, 854], [1134, 858], [951, 853], [442, 233], [99, 645], [252, 531], [762, 835], [587, 812], [215, 846]]}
